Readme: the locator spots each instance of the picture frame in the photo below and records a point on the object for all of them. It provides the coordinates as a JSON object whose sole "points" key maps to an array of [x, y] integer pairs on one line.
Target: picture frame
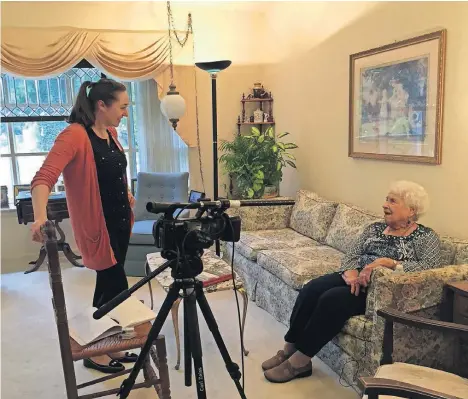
{"points": [[396, 97]]}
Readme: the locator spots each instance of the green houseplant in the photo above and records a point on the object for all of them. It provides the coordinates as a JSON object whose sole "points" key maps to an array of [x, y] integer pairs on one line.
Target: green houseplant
{"points": [[256, 161]]}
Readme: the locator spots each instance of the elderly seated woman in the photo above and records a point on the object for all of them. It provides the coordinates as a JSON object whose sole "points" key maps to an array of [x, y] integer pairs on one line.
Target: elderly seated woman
{"points": [[326, 303]]}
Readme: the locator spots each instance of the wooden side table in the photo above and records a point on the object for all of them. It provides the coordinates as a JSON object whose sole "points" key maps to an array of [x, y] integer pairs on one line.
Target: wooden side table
{"points": [[455, 302], [455, 309]]}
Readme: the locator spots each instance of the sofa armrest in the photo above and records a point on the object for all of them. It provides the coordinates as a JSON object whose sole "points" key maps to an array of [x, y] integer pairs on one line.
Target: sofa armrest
{"points": [[263, 217], [409, 292]]}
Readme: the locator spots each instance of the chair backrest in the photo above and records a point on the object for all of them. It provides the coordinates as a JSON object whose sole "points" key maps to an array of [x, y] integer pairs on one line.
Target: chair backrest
{"points": [[60, 310], [159, 187]]}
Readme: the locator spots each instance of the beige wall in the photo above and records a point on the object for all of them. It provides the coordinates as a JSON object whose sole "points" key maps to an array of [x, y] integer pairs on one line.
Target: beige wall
{"points": [[311, 89]]}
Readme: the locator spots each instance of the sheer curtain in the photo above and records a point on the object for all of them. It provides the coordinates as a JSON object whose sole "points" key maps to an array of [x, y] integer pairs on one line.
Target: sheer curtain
{"points": [[161, 148]]}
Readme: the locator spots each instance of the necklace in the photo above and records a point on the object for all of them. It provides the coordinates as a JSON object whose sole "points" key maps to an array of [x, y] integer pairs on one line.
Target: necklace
{"points": [[405, 230]]}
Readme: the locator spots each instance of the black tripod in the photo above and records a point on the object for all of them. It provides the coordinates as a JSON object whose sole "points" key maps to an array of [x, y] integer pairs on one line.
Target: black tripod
{"points": [[192, 292]]}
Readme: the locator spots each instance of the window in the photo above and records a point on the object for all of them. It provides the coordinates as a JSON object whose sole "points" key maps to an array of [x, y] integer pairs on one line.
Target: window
{"points": [[34, 112]]}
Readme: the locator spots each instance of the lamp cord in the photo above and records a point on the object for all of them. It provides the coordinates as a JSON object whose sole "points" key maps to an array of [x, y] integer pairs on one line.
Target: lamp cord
{"points": [[182, 43]]}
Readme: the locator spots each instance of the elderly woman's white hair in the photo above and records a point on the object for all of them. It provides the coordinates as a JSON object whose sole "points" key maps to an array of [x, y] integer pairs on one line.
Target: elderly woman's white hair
{"points": [[413, 195]]}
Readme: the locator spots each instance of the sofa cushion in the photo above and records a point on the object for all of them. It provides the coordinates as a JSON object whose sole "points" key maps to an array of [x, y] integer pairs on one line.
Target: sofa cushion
{"points": [[142, 233], [254, 241], [347, 225], [359, 327], [298, 266], [312, 215]]}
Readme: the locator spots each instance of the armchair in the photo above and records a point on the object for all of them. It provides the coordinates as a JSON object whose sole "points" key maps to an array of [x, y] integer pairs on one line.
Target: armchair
{"points": [[411, 381], [162, 187]]}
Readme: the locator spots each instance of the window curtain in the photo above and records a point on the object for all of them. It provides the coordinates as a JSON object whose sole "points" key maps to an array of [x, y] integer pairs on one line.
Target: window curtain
{"points": [[161, 148], [126, 55]]}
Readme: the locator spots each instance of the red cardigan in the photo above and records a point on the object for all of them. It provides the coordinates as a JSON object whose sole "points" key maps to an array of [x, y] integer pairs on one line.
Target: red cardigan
{"points": [[73, 156]]}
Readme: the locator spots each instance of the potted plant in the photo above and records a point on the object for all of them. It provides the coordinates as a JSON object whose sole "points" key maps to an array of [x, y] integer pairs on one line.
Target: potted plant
{"points": [[255, 162]]}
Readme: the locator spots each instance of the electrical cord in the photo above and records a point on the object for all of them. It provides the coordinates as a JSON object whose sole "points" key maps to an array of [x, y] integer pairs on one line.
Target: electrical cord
{"points": [[238, 308]]}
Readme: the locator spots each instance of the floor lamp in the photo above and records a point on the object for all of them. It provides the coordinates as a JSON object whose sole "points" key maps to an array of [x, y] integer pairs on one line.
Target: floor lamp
{"points": [[213, 68]]}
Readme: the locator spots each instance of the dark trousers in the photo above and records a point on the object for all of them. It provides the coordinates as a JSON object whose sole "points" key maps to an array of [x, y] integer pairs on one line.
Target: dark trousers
{"points": [[112, 281], [320, 312]]}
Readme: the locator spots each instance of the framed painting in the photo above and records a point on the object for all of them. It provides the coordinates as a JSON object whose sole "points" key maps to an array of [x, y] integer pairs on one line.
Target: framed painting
{"points": [[396, 100]]}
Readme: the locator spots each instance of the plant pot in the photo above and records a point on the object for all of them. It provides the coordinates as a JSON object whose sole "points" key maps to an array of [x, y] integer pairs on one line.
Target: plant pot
{"points": [[270, 192]]}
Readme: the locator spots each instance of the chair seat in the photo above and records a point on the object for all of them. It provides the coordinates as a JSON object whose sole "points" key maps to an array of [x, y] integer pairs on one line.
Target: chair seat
{"points": [[111, 344], [435, 380], [142, 233]]}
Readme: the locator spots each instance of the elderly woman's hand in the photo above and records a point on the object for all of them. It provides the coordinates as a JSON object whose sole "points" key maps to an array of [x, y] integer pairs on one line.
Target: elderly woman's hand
{"points": [[365, 276], [351, 277]]}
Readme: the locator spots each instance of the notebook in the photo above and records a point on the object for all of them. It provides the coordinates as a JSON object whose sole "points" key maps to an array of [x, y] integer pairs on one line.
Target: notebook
{"points": [[84, 329]]}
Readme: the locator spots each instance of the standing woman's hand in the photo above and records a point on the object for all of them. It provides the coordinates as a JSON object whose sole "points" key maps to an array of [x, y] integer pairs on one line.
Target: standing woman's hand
{"points": [[131, 199], [36, 233]]}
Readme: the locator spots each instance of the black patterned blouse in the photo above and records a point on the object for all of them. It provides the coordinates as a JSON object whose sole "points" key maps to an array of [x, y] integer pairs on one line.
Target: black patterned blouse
{"points": [[418, 251], [111, 166]]}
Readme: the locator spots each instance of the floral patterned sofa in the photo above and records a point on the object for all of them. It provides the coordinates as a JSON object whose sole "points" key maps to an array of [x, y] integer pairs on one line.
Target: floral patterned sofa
{"points": [[283, 247]]}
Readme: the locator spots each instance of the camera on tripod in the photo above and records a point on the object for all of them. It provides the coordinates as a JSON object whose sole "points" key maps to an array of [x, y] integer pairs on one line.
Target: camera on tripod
{"points": [[187, 238]]}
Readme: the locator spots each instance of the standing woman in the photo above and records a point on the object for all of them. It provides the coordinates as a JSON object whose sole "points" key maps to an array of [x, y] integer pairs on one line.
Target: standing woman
{"points": [[94, 166]]}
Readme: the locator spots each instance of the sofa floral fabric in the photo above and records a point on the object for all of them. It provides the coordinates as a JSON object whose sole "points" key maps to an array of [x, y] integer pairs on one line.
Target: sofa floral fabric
{"points": [[251, 242], [298, 266], [359, 327], [461, 254], [447, 250], [408, 292], [345, 365], [263, 217], [247, 269], [312, 215], [275, 296], [274, 279], [347, 225]]}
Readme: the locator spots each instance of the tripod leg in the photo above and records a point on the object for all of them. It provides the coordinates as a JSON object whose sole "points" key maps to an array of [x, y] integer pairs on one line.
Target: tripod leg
{"points": [[175, 321], [187, 351], [171, 297], [195, 342], [232, 367]]}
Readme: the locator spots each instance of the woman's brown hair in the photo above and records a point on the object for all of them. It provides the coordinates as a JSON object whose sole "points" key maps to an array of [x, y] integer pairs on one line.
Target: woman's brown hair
{"points": [[83, 111]]}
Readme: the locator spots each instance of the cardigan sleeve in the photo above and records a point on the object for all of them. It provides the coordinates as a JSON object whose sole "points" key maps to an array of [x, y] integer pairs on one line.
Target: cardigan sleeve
{"points": [[427, 254], [61, 154]]}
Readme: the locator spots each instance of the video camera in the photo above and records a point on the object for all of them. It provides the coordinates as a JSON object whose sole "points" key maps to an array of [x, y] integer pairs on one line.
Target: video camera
{"points": [[190, 236], [187, 238]]}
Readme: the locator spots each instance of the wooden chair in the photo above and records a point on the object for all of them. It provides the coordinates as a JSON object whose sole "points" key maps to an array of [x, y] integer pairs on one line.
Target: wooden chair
{"points": [[404, 380], [71, 351]]}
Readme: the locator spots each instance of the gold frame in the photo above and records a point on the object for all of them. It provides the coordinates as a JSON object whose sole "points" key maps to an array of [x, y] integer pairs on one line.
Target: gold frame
{"points": [[440, 35]]}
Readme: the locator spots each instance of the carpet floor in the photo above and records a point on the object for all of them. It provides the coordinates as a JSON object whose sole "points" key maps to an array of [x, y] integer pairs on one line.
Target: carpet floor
{"points": [[30, 357]]}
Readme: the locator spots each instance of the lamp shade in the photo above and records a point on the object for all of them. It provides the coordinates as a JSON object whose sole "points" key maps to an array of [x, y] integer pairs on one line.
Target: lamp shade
{"points": [[173, 106], [213, 66]]}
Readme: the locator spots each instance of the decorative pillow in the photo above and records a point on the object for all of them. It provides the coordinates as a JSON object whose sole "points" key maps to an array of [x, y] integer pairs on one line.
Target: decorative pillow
{"points": [[461, 254], [312, 215], [347, 225], [447, 250]]}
